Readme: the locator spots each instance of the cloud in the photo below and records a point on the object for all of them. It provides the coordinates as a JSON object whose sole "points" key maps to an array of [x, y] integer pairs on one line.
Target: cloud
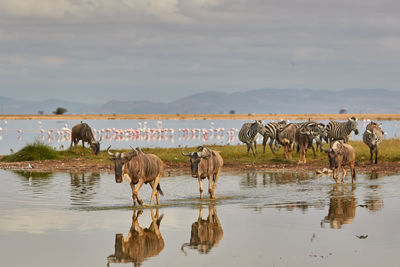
{"points": [[186, 46]]}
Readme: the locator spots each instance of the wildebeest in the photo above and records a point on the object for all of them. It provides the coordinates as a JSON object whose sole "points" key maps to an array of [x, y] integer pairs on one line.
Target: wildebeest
{"points": [[140, 243], [205, 234], [205, 163], [372, 137], [287, 137], [82, 131], [139, 168], [341, 155], [248, 135], [305, 135]]}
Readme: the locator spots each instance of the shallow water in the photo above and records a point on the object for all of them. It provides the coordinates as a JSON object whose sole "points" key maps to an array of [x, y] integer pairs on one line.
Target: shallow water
{"points": [[223, 132], [258, 218]]}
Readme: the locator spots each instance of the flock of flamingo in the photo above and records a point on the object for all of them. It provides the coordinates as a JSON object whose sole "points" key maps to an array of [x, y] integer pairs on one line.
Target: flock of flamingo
{"points": [[140, 133]]}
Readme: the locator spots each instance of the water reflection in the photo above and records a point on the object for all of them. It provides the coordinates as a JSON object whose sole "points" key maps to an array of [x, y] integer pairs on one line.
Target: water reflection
{"points": [[342, 206], [83, 187], [205, 234], [34, 175], [256, 179], [35, 181], [140, 243]]}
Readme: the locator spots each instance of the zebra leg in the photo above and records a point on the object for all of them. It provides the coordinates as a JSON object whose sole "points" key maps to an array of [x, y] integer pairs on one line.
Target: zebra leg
{"points": [[252, 150], [255, 146], [376, 155], [248, 149]]}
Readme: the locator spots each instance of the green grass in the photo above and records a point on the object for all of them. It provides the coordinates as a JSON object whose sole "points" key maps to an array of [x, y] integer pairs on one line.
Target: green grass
{"points": [[35, 151], [389, 152]]}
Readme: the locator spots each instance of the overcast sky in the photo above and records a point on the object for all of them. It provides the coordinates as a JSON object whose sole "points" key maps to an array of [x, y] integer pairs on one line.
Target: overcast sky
{"points": [[97, 50]]}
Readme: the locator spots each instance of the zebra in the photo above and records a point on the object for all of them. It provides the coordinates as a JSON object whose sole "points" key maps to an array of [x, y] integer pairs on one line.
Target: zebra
{"points": [[372, 137], [248, 134], [341, 130], [271, 133]]}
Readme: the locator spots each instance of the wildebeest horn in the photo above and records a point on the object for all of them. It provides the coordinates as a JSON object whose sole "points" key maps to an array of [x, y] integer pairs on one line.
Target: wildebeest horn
{"points": [[109, 153], [186, 154], [135, 149], [209, 150]]}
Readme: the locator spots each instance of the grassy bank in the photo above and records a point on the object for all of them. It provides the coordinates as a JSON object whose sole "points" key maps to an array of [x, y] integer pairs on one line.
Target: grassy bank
{"points": [[389, 152]]}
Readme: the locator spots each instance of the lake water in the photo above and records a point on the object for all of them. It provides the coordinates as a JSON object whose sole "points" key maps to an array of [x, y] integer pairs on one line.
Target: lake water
{"points": [[258, 219], [15, 134]]}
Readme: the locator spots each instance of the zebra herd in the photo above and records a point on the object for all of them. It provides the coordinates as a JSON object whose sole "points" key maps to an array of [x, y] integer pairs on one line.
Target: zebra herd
{"points": [[304, 133]]}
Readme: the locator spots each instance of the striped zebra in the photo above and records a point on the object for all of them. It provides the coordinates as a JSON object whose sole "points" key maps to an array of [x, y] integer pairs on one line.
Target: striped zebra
{"points": [[271, 134], [341, 130], [248, 134], [372, 137]]}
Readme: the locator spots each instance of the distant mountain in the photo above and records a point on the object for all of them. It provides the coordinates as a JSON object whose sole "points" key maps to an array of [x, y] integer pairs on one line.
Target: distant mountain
{"points": [[261, 101]]}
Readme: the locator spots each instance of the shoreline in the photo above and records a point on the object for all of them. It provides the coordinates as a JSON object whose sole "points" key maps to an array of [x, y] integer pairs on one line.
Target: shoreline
{"points": [[78, 165], [250, 116]]}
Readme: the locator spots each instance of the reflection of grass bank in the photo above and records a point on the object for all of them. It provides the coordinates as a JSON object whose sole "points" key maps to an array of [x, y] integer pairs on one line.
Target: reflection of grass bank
{"points": [[389, 152]]}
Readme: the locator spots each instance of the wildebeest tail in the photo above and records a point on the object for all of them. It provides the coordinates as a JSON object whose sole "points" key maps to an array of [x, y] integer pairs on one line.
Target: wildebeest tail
{"points": [[159, 190]]}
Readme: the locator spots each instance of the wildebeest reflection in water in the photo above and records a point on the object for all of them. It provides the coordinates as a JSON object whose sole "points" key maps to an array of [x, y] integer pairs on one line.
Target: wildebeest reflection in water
{"points": [[140, 243], [342, 206], [205, 234]]}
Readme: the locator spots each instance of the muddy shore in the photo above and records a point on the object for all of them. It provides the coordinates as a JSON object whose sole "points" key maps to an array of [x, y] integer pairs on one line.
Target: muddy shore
{"points": [[79, 166]]}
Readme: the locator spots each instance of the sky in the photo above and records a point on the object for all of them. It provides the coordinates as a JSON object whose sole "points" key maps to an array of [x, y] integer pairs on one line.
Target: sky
{"points": [[93, 51]]}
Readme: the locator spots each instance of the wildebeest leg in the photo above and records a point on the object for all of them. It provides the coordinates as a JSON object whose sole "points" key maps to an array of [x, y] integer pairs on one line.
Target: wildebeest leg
{"points": [[291, 150], [344, 174], [255, 146], [133, 196], [335, 173], [211, 186], [265, 139], [75, 145], [371, 155], [353, 173], [136, 191], [216, 179], [155, 192], [83, 147], [152, 186], [270, 145], [200, 187]]}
